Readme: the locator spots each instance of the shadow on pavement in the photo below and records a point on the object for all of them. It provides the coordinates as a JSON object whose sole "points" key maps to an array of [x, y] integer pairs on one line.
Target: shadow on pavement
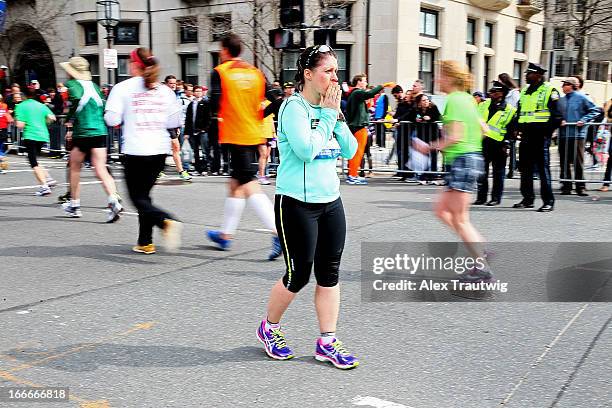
{"points": [[88, 357]]}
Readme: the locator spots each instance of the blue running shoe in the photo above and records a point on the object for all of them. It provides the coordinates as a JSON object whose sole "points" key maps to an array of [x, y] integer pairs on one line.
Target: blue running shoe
{"points": [[336, 354], [274, 342], [215, 236], [276, 249], [477, 275]]}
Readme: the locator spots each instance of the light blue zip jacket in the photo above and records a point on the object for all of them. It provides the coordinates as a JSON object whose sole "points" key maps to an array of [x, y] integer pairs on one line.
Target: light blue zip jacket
{"points": [[310, 140], [576, 107]]}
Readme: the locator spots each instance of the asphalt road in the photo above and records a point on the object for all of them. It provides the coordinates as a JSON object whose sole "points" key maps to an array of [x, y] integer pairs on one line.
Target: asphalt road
{"points": [[78, 309]]}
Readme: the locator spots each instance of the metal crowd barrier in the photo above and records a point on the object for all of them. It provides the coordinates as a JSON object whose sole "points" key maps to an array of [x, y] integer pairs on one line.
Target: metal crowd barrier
{"points": [[582, 154], [391, 149], [57, 139]]}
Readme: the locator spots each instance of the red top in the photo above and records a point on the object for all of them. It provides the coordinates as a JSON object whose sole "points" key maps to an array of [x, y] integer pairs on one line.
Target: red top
{"points": [[4, 115]]}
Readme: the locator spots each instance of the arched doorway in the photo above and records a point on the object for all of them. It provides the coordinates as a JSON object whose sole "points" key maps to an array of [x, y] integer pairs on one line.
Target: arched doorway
{"points": [[34, 61]]}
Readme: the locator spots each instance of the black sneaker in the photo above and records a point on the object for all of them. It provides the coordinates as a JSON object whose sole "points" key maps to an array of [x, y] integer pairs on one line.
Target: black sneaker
{"points": [[523, 204], [64, 198]]}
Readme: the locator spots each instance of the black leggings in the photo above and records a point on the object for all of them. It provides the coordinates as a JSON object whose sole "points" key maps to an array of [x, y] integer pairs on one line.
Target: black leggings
{"points": [[310, 233], [33, 148], [140, 175]]}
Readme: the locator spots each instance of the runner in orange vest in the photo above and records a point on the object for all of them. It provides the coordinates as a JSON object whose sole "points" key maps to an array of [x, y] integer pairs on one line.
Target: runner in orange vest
{"points": [[237, 92]]}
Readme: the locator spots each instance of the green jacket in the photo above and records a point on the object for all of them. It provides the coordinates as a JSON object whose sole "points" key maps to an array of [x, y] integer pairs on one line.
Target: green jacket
{"points": [[88, 119], [356, 112]]}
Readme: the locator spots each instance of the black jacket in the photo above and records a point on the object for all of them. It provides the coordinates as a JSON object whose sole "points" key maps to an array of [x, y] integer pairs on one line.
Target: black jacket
{"points": [[202, 118]]}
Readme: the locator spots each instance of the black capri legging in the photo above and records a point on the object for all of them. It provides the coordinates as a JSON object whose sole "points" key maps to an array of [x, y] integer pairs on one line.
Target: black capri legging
{"points": [[33, 148], [310, 233]]}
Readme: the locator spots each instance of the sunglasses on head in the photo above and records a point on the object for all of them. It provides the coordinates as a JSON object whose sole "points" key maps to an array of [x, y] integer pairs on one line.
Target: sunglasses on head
{"points": [[317, 49]]}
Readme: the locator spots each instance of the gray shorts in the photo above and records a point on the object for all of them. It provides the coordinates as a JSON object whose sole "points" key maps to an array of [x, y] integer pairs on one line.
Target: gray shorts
{"points": [[464, 172]]}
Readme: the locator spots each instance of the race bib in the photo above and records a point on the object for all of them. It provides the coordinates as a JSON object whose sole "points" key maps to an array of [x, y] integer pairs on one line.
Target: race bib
{"points": [[331, 150]]}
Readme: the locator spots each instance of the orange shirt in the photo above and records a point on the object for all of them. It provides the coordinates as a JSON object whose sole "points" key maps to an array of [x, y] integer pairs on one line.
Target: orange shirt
{"points": [[240, 109]]}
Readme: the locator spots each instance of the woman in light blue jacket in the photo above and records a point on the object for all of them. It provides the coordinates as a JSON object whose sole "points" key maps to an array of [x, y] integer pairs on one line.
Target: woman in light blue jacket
{"points": [[310, 219]]}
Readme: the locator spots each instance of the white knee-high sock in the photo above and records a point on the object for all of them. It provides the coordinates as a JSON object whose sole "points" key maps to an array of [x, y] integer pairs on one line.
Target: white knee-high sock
{"points": [[264, 209], [232, 214]]}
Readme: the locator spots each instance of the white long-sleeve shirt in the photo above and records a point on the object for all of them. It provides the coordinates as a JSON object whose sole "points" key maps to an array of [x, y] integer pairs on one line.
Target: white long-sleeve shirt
{"points": [[146, 115]]}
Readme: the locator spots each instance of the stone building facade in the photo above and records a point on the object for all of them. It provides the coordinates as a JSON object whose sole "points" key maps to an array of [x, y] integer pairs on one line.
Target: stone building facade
{"points": [[405, 37]]}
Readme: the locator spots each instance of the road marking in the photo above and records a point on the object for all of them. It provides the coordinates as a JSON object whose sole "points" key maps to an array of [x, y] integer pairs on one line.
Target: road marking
{"points": [[135, 328], [83, 403], [541, 357], [376, 402], [83, 183]]}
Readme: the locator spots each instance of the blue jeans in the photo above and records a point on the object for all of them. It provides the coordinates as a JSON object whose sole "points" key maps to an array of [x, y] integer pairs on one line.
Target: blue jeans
{"points": [[197, 141], [3, 140]]}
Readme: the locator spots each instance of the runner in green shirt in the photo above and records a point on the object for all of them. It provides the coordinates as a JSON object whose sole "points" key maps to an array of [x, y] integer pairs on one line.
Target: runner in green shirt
{"points": [[33, 117], [461, 147], [87, 131]]}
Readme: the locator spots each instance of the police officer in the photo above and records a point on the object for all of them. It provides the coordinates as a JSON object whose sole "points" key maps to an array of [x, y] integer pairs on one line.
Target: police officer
{"points": [[538, 116], [500, 117]]}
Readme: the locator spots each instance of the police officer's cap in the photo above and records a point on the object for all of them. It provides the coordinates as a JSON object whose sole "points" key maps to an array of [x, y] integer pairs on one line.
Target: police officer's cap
{"points": [[535, 68], [499, 87]]}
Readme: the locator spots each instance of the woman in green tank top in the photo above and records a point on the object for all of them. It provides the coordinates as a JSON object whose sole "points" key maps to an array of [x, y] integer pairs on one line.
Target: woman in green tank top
{"points": [[461, 146]]}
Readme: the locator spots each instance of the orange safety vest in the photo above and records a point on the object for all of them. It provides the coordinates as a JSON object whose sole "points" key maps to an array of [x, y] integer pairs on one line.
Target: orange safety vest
{"points": [[240, 109]]}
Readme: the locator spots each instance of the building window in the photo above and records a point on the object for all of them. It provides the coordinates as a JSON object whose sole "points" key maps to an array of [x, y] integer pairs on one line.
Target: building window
{"points": [[123, 68], [289, 65], [344, 57], [429, 23], [91, 33], [221, 25], [577, 43], [559, 39], [488, 35], [426, 68], [337, 17], [487, 71], [214, 57], [469, 61], [189, 68], [188, 30], [564, 66], [519, 41], [517, 72], [471, 31], [581, 5], [560, 5], [127, 34], [544, 39], [94, 67]]}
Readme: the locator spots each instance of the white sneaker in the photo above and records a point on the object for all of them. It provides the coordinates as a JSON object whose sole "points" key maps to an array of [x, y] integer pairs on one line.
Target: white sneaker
{"points": [[114, 209], [43, 191], [172, 235], [70, 211], [51, 182], [263, 181]]}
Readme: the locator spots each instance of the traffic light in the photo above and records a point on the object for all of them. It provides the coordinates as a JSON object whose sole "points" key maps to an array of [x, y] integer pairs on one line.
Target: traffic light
{"points": [[291, 13], [281, 38], [325, 36]]}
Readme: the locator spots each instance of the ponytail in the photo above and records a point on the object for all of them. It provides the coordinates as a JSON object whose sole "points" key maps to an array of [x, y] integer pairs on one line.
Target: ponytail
{"points": [[149, 65]]}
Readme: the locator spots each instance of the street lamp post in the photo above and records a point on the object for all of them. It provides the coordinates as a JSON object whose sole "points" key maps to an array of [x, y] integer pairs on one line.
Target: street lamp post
{"points": [[108, 15]]}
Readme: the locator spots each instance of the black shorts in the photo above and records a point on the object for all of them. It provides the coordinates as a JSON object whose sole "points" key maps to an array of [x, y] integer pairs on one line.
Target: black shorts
{"points": [[33, 148], [310, 234], [85, 144], [243, 162]]}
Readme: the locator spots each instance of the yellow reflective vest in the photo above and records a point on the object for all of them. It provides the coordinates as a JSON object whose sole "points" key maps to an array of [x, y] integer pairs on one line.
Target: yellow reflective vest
{"points": [[499, 121], [534, 107]]}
